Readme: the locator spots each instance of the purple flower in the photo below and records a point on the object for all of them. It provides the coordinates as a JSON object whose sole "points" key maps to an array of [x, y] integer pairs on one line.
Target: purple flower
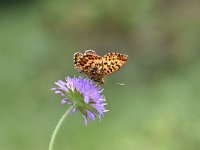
{"points": [[84, 95]]}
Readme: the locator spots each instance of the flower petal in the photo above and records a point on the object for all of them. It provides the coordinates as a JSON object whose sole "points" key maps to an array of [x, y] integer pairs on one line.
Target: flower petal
{"points": [[90, 115], [73, 110], [86, 99], [85, 120], [63, 101]]}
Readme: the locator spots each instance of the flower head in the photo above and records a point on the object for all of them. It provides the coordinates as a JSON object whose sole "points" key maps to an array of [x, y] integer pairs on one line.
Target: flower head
{"points": [[84, 95]]}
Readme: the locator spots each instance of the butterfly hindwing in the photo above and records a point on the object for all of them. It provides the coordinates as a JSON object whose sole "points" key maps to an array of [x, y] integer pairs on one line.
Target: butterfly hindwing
{"points": [[88, 64]]}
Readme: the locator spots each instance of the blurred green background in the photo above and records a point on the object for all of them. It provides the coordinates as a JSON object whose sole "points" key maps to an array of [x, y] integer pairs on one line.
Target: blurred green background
{"points": [[157, 109]]}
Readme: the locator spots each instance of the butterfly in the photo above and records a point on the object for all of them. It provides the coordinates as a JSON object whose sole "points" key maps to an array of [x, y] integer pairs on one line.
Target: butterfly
{"points": [[98, 67]]}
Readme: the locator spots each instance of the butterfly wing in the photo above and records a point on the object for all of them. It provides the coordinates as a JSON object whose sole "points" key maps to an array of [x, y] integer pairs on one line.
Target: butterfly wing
{"points": [[88, 63], [77, 57], [113, 62]]}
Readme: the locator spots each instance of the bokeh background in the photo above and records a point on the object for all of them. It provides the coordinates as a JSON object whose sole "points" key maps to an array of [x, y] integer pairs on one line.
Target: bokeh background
{"points": [[157, 109]]}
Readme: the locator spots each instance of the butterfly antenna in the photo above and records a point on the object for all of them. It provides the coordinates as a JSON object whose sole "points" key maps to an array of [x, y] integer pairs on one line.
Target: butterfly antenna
{"points": [[116, 83], [120, 84]]}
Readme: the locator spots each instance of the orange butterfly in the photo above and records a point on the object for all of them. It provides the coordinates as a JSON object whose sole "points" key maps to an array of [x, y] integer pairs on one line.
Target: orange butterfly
{"points": [[97, 67]]}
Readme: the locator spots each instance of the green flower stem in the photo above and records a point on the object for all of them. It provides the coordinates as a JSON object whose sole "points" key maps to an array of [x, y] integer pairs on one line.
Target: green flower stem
{"points": [[52, 141]]}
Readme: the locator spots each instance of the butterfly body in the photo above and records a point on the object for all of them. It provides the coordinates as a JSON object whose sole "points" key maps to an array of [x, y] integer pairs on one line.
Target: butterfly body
{"points": [[98, 67]]}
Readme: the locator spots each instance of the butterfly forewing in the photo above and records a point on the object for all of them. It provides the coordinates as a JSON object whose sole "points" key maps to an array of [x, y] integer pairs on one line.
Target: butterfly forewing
{"points": [[113, 62]]}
